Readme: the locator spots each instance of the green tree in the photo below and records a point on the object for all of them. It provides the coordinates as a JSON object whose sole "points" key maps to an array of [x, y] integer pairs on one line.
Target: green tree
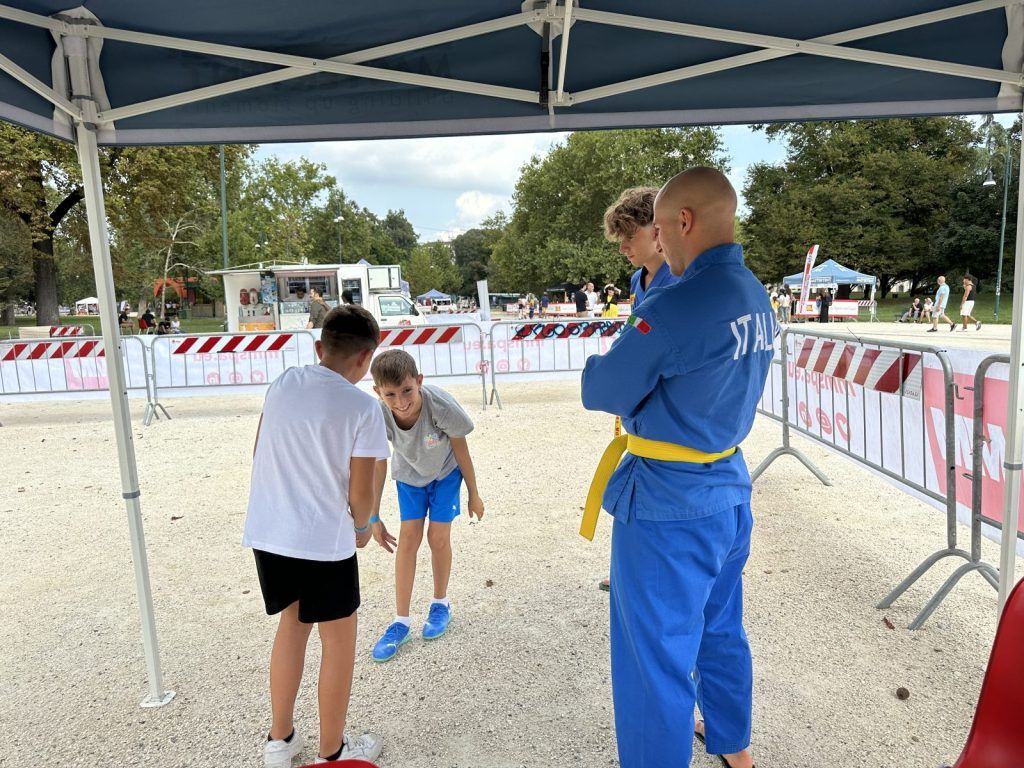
{"points": [[432, 266], [472, 250], [15, 264], [873, 193], [556, 231]]}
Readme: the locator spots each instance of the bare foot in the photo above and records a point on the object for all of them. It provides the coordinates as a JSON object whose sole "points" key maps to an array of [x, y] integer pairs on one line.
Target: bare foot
{"points": [[736, 759]]}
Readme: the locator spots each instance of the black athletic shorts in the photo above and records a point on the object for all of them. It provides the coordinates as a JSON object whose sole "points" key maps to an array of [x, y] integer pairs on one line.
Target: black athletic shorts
{"points": [[325, 590]]}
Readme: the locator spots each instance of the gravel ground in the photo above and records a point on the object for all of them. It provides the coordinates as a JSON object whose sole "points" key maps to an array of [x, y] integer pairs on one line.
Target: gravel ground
{"points": [[522, 679]]}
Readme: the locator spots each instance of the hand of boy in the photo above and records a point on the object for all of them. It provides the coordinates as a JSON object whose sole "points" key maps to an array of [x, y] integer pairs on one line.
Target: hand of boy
{"points": [[476, 506], [382, 537], [362, 539]]}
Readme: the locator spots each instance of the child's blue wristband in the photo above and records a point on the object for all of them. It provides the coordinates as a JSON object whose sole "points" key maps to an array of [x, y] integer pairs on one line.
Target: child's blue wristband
{"points": [[364, 529], [374, 519]]}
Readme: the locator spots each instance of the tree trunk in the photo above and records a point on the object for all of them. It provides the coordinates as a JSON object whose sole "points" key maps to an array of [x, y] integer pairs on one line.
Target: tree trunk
{"points": [[45, 270], [7, 310]]}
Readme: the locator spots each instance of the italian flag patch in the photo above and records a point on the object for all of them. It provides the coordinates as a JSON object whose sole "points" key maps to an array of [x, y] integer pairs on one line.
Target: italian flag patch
{"points": [[639, 323]]}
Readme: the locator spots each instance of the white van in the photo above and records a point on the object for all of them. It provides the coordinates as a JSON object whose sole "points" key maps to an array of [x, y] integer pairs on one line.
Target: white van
{"points": [[275, 297]]}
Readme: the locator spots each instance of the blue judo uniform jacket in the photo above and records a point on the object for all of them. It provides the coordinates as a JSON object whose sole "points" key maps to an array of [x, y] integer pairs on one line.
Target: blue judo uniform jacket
{"points": [[690, 371]]}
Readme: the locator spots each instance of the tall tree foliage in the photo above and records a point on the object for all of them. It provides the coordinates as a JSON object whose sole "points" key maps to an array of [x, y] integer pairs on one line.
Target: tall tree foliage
{"points": [[875, 194], [556, 230]]}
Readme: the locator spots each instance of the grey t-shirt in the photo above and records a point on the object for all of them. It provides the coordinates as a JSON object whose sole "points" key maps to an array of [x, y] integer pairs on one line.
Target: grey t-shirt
{"points": [[423, 453]]}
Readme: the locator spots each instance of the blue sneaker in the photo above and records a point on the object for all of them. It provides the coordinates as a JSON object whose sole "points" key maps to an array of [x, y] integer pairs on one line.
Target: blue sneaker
{"points": [[437, 621], [393, 638]]}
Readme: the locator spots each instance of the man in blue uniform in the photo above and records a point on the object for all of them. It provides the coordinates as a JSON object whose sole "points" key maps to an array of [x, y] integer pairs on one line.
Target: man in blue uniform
{"points": [[687, 391]]}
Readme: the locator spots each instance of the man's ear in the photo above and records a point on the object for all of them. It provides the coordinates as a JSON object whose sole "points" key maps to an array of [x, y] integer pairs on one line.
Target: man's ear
{"points": [[419, 380], [365, 356], [685, 221], [318, 345]]}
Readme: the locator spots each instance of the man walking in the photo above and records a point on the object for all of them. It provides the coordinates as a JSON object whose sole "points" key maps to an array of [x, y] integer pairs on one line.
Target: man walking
{"points": [[967, 306], [939, 309], [685, 377]]}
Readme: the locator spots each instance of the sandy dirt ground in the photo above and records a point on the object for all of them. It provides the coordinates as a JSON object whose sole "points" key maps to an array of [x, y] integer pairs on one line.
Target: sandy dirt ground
{"points": [[522, 679]]}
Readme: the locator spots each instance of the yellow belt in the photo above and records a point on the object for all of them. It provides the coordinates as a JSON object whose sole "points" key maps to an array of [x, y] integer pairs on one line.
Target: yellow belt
{"points": [[646, 449]]}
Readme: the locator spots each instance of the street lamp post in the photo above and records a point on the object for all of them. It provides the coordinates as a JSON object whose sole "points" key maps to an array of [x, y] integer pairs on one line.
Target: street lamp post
{"points": [[337, 220], [990, 182]]}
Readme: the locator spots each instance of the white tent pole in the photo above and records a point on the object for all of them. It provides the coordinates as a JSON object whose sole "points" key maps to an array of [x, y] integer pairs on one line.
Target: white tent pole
{"points": [[756, 57], [88, 157], [1014, 421]]}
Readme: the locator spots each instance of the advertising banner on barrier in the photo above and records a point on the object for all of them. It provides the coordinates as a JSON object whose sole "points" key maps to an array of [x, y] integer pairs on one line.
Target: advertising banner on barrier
{"points": [[71, 365], [903, 434]]}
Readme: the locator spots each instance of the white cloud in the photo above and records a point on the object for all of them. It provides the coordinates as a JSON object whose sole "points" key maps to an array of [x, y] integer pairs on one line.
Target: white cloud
{"points": [[485, 163], [474, 206]]}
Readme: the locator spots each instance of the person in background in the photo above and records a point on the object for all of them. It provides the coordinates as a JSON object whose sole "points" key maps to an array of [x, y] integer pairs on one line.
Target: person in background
{"points": [[785, 303], [967, 306], [913, 312], [581, 301], [544, 302], [318, 309], [592, 301], [611, 299], [939, 308], [823, 302], [926, 310], [147, 321]]}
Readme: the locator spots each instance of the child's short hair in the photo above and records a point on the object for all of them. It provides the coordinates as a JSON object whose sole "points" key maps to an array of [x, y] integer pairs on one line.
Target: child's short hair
{"points": [[393, 367], [349, 330], [633, 209]]}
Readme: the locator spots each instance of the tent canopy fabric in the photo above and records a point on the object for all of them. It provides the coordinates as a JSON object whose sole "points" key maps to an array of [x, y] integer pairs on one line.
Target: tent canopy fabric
{"points": [[832, 273], [432, 294], [255, 72], [92, 300]]}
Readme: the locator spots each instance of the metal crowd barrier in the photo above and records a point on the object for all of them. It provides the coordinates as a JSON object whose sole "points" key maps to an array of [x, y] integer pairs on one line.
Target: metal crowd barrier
{"points": [[545, 346], [72, 364], [198, 360], [830, 433], [442, 351]]}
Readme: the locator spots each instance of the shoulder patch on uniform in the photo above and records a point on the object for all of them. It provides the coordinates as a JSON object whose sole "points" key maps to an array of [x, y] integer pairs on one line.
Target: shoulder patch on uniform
{"points": [[639, 323]]}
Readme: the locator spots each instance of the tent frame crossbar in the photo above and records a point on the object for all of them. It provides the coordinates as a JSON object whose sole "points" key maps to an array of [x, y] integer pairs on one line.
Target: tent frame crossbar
{"points": [[771, 47]]}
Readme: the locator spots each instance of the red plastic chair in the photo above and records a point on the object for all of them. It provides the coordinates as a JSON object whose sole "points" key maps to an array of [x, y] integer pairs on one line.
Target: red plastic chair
{"points": [[996, 739], [345, 764]]}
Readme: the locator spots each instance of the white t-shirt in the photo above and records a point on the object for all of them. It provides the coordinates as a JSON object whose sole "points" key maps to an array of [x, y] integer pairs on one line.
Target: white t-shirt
{"points": [[314, 422]]}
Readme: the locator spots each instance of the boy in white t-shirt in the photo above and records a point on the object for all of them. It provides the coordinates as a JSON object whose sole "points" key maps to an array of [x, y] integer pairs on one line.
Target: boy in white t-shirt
{"points": [[311, 497]]}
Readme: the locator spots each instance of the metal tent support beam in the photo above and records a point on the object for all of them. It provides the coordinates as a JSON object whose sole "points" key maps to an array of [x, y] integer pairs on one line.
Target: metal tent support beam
{"points": [[88, 157], [1014, 421]]}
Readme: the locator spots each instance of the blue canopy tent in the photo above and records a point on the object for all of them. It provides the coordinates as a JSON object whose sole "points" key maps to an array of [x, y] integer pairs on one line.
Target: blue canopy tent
{"points": [[433, 293], [832, 273], [190, 71]]}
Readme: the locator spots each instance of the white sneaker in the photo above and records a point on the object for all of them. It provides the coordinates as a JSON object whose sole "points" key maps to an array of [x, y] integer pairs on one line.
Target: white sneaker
{"points": [[365, 747], [278, 753]]}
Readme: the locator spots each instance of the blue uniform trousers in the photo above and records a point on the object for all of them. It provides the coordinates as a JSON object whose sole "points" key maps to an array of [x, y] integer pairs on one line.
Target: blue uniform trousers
{"points": [[677, 636]]}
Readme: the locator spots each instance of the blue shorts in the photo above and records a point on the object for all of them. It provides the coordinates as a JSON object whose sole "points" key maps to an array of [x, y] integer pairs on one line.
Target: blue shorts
{"points": [[440, 497]]}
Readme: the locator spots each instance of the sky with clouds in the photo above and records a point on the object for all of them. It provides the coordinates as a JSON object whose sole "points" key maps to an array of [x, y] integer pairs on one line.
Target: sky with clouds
{"points": [[448, 185]]}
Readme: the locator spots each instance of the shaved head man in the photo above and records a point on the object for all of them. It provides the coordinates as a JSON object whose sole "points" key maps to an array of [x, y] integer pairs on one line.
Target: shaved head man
{"points": [[685, 377], [694, 211]]}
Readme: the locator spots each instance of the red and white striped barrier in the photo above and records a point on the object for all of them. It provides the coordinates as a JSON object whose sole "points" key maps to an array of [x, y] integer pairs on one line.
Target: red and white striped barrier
{"points": [[580, 329], [203, 345], [66, 330], [49, 350], [881, 370], [435, 334]]}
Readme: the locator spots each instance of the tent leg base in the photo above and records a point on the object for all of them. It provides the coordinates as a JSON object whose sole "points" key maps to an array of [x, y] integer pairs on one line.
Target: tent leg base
{"points": [[151, 701]]}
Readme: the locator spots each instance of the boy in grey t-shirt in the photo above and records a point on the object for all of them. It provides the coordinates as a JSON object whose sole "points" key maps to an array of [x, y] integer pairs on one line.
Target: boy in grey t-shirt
{"points": [[427, 429]]}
